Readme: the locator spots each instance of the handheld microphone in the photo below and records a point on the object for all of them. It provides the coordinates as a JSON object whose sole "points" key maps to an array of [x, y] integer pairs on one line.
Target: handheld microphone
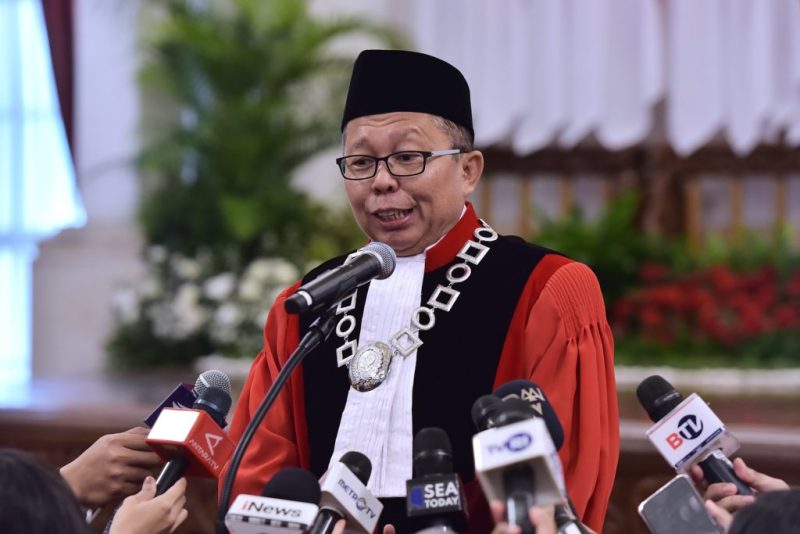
{"points": [[435, 496], [345, 496], [515, 459], [375, 260], [287, 505], [184, 395], [566, 518], [192, 440], [687, 432]]}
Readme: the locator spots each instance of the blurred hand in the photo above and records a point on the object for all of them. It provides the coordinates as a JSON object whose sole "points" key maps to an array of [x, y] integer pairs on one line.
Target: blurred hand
{"points": [[341, 524], [542, 517], [724, 495], [722, 517], [144, 513], [113, 467]]}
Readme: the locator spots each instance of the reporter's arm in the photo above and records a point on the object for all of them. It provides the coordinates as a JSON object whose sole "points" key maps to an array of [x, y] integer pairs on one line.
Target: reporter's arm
{"points": [[144, 513], [114, 466], [724, 495]]}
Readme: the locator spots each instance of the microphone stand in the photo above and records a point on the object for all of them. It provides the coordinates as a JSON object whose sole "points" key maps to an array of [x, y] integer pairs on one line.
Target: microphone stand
{"points": [[318, 332]]}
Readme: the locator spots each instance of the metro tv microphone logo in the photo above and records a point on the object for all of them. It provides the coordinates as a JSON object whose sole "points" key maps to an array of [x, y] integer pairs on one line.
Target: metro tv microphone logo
{"points": [[689, 427]]}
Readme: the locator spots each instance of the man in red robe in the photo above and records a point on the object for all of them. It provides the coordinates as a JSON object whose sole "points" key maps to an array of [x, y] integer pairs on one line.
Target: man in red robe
{"points": [[465, 311]]}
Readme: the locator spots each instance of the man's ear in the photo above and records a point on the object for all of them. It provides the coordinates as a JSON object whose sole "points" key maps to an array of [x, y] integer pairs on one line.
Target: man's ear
{"points": [[471, 170]]}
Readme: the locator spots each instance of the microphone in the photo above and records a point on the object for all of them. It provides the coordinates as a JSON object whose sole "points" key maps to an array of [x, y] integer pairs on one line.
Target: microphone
{"points": [[345, 496], [192, 440], [688, 432], [375, 260], [184, 395], [435, 496], [567, 520], [515, 459], [287, 505]]}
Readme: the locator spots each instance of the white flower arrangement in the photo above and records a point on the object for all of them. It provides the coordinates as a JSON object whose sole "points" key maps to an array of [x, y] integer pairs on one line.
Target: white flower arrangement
{"points": [[182, 310]]}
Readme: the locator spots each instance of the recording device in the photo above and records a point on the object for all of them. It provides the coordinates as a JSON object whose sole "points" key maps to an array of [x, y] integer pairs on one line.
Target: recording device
{"points": [[375, 260], [345, 496], [566, 518], [288, 505], [515, 459], [687, 432], [184, 395], [192, 440], [677, 507], [435, 496]]}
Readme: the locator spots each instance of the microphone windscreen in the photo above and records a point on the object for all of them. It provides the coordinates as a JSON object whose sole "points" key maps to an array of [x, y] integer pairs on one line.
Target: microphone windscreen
{"points": [[216, 403], [658, 397], [484, 410], [533, 395], [212, 379], [433, 453], [359, 464], [386, 256], [293, 484]]}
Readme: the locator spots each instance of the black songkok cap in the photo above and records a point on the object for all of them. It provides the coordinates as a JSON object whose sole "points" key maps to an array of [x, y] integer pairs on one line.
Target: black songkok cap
{"points": [[385, 81]]}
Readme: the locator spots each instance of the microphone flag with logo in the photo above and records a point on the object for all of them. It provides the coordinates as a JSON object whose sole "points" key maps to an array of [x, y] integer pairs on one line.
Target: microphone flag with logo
{"points": [[184, 395], [345, 496], [435, 496], [287, 505], [687, 432], [192, 440]]}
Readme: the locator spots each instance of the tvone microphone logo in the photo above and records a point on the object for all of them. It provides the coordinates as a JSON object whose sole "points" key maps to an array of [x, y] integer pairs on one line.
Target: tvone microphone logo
{"points": [[515, 443], [689, 428]]}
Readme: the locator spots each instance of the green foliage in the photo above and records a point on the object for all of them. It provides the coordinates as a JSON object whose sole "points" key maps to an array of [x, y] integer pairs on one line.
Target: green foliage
{"points": [[259, 90], [733, 303], [612, 245]]}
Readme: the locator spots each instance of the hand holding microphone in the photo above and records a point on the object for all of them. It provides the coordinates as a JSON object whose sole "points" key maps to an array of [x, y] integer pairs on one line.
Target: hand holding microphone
{"points": [[146, 513], [686, 433], [192, 440]]}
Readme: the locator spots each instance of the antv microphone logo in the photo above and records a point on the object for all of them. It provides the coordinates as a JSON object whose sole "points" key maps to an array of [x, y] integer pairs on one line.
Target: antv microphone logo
{"points": [[212, 440]]}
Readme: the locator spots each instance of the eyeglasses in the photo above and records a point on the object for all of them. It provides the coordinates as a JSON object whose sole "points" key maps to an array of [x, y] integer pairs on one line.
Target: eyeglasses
{"points": [[405, 163]]}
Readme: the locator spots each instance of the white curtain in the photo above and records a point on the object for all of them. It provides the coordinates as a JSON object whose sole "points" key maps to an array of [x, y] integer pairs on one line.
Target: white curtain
{"points": [[38, 196], [554, 72]]}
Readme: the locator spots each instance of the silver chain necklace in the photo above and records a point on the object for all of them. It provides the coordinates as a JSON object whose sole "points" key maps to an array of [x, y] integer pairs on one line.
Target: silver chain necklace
{"points": [[368, 367]]}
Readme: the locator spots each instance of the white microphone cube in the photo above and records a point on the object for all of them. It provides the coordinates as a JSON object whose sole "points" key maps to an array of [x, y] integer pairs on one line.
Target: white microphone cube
{"points": [[524, 443]]}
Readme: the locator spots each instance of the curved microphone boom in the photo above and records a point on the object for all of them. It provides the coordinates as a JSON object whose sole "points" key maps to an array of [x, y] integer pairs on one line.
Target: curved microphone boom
{"points": [[374, 261]]}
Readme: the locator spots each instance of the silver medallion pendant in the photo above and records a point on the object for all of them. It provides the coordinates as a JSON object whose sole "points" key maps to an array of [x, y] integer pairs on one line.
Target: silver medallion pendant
{"points": [[370, 366]]}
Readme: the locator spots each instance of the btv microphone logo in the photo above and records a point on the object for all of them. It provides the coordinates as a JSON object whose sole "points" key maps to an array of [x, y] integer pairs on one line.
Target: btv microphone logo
{"points": [[212, 440], [689, 428]]}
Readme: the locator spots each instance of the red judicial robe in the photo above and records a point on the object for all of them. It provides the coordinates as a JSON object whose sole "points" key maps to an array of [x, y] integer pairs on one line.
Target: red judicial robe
{"points": [[526, 312]]}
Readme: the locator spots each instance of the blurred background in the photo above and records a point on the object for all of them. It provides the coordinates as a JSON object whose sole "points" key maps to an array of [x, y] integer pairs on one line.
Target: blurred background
{"points": [[166, 167]]}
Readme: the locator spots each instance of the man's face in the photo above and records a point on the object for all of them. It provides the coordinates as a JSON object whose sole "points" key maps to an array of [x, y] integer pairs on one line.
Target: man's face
{"points": [[408, 213]]}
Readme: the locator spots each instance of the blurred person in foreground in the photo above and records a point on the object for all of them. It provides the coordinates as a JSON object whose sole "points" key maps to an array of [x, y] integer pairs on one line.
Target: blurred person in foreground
{"points": [[36, 500], [464, 311]]}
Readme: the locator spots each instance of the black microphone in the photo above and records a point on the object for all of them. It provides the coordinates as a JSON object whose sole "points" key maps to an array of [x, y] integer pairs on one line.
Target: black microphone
{"points": [[435, 496], [184, 395], [345, 496], [687, 432], [566, 517], [199, 445], [375, 260], [288, 504]]}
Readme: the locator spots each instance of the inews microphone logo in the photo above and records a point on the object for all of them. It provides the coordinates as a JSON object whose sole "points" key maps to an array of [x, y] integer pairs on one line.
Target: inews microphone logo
{"points": [[515, 443], [361, 502], [268, 508], [689, 427]]}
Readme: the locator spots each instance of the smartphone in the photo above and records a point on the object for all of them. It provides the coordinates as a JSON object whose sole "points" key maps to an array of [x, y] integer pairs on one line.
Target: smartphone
{"points": [[677, 507]]}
